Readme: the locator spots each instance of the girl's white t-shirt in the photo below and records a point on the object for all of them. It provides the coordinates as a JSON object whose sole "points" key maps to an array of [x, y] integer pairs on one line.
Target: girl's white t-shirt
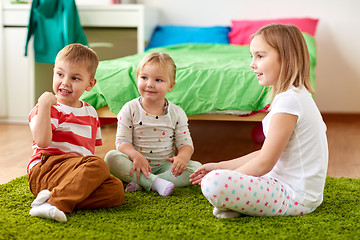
{"points": [[302, 167]]}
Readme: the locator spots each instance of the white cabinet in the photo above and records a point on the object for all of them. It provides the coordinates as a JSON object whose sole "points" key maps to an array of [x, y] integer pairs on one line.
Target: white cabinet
{"points": [[20, 84], [3, 112], [18, 75]]}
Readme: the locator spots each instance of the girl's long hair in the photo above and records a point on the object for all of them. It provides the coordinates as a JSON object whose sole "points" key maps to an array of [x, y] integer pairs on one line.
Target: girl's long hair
{"points": [[294, 56]]}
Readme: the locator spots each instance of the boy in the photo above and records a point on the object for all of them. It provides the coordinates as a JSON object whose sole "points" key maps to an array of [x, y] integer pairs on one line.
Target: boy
{"points": [[63, 174]]}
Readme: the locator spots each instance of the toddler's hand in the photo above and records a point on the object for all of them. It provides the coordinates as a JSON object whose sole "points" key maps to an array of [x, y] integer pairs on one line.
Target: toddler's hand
{"points": [[140, 164], [197, 176], [179, 165]]}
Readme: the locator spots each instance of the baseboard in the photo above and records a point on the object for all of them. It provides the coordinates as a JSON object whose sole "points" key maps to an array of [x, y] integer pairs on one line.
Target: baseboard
{"points": [[341, 117]]}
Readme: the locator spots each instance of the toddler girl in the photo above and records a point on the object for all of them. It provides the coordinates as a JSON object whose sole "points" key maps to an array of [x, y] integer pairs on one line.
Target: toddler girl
{"points": [[150, 129]]}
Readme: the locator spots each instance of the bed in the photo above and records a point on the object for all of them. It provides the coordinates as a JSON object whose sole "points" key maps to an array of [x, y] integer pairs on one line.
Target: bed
{"points": [[213, 79]]}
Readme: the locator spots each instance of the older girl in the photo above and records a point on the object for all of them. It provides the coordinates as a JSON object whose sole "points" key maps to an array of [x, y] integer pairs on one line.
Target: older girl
{"points": [[287, 176]]}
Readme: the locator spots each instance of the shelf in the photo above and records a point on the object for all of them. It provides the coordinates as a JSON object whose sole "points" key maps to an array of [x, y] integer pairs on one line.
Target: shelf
{"points": [[117, 15]]}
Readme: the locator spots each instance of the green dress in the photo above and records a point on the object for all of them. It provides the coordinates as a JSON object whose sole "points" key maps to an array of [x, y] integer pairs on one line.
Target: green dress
{"points": [[54, 24]]}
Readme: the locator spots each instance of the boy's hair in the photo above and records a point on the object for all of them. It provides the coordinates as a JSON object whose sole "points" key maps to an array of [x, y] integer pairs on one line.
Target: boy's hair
{"points": [[79, 54], [294, 56], [164, 61]]}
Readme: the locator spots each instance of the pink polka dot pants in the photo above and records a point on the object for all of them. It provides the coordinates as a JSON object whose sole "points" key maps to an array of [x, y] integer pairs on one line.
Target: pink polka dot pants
{"points": [[255, 196]]}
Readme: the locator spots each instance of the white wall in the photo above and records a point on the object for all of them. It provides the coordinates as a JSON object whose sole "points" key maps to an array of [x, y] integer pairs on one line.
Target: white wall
{"points": [[3, 110], [338, 69]]}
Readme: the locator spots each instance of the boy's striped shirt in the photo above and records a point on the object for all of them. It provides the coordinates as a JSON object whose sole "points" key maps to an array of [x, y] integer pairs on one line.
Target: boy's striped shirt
{"points": [[75, 131]]}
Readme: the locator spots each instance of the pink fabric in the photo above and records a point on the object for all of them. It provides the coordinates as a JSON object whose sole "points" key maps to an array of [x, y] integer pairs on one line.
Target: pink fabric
{"points": [[241, 30]]}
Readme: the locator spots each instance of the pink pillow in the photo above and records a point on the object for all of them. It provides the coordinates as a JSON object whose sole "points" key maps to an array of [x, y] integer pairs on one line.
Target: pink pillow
{"points": [[241, 31]]}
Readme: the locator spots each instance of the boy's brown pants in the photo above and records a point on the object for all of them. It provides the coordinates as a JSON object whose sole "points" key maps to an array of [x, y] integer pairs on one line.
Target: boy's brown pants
{"points": [[76, 182]]}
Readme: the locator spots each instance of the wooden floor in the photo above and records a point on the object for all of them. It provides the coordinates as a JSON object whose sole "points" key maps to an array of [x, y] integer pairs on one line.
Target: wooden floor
{"points": [[214, 141]]}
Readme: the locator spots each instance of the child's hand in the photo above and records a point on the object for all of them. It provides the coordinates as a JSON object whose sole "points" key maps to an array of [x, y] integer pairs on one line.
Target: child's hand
{"points": [[47, 99], [42, 131], [179, 165], [197, 176], [140, 164]]}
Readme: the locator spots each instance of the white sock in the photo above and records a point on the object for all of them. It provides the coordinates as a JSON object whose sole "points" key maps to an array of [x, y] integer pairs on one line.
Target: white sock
{"points": [[46, 210], [42, 197], [163, 187], [225, 214], [133, 186]]}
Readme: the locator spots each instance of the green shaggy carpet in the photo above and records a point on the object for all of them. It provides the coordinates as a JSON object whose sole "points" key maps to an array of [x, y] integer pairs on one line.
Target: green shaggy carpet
{"points": [[184, 215]]}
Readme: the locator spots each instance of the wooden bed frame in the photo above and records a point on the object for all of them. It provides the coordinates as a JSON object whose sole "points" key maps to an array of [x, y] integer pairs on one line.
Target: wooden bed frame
{"points": [[105, 112]]}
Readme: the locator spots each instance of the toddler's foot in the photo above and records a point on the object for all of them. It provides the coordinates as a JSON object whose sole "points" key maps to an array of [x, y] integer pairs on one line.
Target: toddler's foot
{"points": [[225, 214], [42, 197], [163, 187], [46, 210], [133, 186]]}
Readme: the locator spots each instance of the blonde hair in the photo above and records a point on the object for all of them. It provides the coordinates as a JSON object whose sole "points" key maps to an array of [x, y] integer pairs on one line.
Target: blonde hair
{"points": [[294, 56], [163, 60], [79, 54]]}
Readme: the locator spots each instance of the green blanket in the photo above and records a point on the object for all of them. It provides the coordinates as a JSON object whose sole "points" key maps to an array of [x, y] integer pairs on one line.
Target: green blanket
{"points": [[209, 77]]}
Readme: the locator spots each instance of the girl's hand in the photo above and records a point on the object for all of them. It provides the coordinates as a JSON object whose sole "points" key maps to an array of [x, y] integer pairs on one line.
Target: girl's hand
{"points": [[179, 165], [140, 164], [197, 176]]}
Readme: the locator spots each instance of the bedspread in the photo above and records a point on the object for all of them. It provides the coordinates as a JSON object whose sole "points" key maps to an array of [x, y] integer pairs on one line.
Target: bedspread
{"points": [[209, 77]]}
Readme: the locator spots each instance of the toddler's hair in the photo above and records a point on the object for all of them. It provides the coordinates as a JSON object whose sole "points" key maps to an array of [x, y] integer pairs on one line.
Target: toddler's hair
{"points": [[294, 56], [79, 54], [164, 61]]}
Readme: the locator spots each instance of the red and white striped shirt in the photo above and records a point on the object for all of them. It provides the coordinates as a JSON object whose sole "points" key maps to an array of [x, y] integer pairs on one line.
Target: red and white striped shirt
{"points": [[75, 131]]}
